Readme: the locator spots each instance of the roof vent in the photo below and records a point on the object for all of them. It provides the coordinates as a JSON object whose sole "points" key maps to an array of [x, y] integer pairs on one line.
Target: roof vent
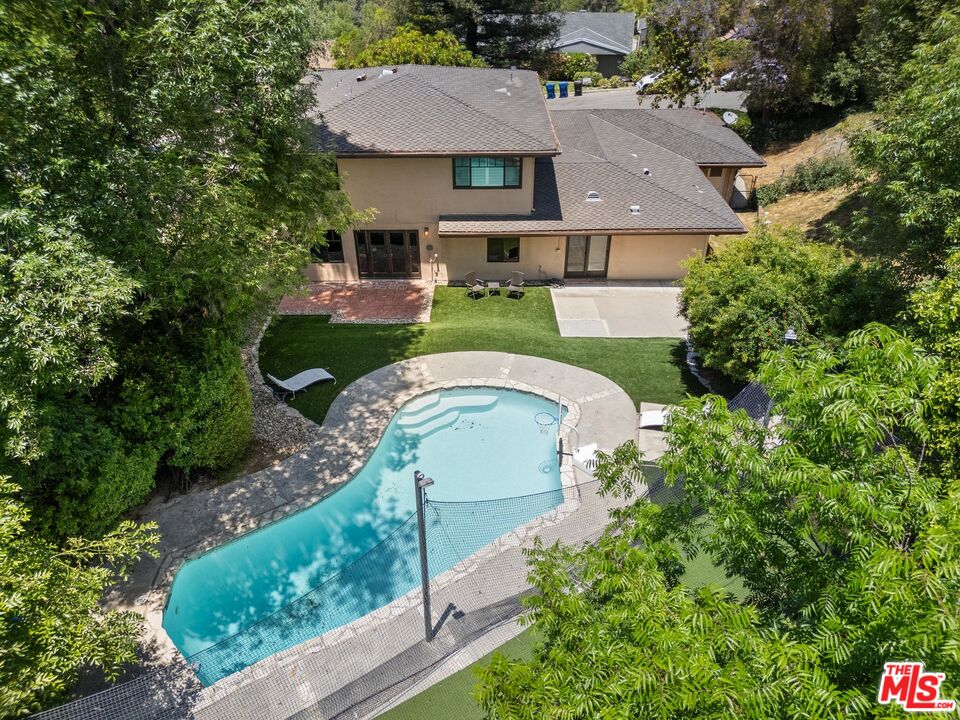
{"points": [[361, 78], [593, 196], [634, 209], [646, 172], [387, 71]]}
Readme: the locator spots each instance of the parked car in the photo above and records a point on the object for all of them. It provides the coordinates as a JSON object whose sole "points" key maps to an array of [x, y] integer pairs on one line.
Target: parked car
{"points": [[728, 78], [647, 81]]}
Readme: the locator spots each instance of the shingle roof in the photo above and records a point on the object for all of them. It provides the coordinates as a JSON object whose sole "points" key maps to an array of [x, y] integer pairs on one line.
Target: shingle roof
{"points": [[699, 136], [601, 156], [431, 110], [605, 32]]}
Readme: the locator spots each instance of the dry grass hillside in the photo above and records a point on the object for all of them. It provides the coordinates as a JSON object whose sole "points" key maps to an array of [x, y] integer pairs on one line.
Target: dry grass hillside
{"points": [[810, 211]]}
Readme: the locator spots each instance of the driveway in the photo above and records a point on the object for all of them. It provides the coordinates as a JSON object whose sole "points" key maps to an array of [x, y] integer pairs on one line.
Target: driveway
{"points": [[647, 309]]}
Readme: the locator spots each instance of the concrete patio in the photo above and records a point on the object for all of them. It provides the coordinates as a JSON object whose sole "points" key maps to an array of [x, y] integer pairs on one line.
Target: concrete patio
{"points": [[618, 310]]}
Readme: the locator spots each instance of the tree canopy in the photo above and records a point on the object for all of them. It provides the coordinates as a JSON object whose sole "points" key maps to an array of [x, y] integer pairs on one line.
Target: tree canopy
{"points": [[407, 45], [157, 185], [50, 623], [845, 542], [740, 300]]}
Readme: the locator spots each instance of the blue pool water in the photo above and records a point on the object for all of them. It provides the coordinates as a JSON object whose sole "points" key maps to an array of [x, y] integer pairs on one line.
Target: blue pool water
{"points": [[356, 550]]}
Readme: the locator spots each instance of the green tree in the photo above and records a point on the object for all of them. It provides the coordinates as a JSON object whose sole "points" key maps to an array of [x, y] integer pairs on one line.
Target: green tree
{"points": [[682, 32], [157, 185], [330, 20], [408, 45], [740, 301], [911, 152], [503, 34], [935, 315], [846, 544], [50, 623]]}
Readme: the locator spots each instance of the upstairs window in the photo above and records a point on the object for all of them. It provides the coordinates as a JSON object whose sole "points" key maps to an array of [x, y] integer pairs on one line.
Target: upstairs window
{"points": [[332, 252], [486, 172]]}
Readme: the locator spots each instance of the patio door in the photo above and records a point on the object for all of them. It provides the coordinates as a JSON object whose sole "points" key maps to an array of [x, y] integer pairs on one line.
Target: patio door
{"points": [[587, 256], [388, 253]]}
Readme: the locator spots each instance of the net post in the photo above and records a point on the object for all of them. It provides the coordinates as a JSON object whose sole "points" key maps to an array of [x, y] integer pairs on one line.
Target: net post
{"points": [[421, 482]]}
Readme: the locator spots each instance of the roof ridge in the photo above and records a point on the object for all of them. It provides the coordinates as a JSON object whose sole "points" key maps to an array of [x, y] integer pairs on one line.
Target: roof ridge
{"points": [[365, 88], [652, 178], [483, 112], [686, 129]]}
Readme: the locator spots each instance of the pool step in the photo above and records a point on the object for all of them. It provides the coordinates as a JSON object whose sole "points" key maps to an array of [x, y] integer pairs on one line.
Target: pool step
{"points": [[424, 402], [464, 403], [437, 422]]}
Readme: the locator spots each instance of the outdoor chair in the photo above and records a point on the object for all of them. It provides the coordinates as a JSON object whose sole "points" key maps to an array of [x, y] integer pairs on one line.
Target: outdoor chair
{"points": [[301, 381], [475, 287], [515, 284]]}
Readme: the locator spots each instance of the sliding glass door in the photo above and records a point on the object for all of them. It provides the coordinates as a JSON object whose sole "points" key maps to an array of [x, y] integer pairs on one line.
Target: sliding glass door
{"points": [[587, 256]]}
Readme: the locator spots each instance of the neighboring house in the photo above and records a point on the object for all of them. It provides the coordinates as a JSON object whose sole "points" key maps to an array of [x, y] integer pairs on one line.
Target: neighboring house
{"points": [[469, 172], [608, 36]]}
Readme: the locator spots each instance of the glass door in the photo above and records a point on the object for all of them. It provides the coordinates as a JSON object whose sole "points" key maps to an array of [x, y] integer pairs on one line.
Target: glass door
{"points": [[587, 256], [388, 253]]}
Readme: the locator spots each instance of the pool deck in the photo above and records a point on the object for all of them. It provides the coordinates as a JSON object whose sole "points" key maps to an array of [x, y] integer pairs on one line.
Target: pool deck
{"points": [[194, 523]]}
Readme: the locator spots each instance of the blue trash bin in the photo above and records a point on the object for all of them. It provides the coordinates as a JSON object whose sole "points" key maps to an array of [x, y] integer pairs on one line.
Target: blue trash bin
{"points": [[550, 91], [563, 89]]}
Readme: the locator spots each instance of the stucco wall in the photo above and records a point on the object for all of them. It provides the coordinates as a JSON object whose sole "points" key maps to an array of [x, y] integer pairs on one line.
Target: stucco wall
{"points": [[539, 259], [723, 183], [652, 257], [411, 194]]}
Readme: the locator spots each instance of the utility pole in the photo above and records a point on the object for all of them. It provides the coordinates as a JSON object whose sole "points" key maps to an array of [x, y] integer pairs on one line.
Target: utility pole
{"points": [[421, 482]]}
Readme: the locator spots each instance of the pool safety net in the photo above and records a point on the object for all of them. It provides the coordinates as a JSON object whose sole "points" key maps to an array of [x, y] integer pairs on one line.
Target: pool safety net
{"points": [[311, 665]]}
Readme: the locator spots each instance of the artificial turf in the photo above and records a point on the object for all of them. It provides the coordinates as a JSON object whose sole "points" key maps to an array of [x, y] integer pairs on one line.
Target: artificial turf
{"points": [[452, 697], [648, 369]]}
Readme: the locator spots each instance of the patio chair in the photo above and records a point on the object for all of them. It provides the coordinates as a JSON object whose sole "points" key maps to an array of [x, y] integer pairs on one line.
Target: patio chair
{"points": [[301, 381], [515, 284], [475, 287]]}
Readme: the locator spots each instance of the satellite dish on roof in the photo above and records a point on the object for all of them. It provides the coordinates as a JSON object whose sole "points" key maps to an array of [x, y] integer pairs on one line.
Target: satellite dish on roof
{"points": [[729, 118]]}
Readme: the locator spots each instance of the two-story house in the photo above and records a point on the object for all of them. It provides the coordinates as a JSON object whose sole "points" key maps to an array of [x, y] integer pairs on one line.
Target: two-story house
{"points": [[469, 172]]}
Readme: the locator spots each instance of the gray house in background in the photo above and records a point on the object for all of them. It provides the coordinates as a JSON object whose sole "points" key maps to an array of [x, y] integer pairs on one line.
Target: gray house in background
{"points": [[606, 35]]}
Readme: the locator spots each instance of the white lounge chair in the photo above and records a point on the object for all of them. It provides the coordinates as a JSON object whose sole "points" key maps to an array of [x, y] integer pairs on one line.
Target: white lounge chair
{"points": [[475, 287], [515, 284], [300, 381], [654, 419]]}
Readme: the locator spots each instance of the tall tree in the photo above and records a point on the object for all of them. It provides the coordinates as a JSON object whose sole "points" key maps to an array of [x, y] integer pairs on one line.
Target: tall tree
{"points": [[408, 45], [846, 544], [157, 185], [911, 153], [503, 34]]}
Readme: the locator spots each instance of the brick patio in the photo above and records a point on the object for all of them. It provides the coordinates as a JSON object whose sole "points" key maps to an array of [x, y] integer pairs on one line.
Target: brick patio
{"points": [[372, 301]]}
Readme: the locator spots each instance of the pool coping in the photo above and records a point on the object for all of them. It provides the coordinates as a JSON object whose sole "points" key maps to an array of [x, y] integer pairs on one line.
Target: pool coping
{"points": [[351, 412]]}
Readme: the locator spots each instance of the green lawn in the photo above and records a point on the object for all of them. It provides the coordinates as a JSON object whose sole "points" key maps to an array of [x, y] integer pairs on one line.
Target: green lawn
{"points": [[452, 697], [651, 370]]}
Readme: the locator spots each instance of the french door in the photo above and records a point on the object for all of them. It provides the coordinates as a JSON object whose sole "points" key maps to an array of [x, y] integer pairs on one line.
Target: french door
{"points": [[388, 253], [587, 256]]}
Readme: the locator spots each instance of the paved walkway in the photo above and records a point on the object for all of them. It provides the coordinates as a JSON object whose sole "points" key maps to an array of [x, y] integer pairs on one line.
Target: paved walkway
{"points": [[618, 309], [369, 301]]}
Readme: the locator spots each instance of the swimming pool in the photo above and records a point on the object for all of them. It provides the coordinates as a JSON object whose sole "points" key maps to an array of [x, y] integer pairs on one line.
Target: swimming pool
{"points": [[356, 550]]}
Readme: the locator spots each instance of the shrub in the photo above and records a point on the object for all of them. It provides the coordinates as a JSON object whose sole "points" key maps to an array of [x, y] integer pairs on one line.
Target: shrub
{"points": [[565, 66], [810, 175], [595, 78], [221, 419], [821, 174], [740, 301], [769, 194], [637, 64]]}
